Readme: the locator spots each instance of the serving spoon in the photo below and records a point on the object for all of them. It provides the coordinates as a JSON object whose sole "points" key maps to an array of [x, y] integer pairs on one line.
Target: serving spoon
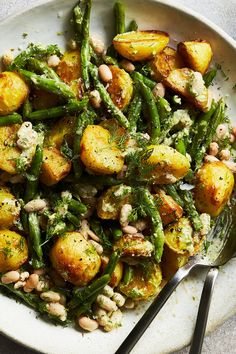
{"points": [[222, 247]]}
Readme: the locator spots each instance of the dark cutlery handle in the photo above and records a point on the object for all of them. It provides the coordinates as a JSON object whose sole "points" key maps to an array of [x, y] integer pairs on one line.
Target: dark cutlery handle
{"points": [[154, 308], [203, 311]]}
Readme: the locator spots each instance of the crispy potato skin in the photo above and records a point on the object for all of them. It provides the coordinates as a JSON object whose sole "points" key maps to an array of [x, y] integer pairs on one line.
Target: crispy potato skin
{"points": [[145, 283], [169, 163], [63, 129], [75, 259], [169, 210], [197, 54], [171, 262], [98, 152], [140, 45], [214, 187], [116, 275], [13, 92], [111, 201], [9, 209], [9, 152], [179, 81], [164, 62], [55, 166], [13, 250], [120, 87], [179, 237], [133, 246]]}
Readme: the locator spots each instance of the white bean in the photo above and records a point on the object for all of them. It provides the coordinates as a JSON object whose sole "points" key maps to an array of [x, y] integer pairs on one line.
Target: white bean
{"points": [[97, 246], [50, 296], [222, 131], [19, 284], [224, 154], [10, 277], [129, 303], [53, 61], [102, 317], [213, 149], [95, 99], [231, 165], [125, 212], [35, 205], [119, 299], [129, 230], [159, 90], [140, 225], [108, 291], [232, 138], [87, 324], [93, 235], [105, 73], [114, 321], [31, 283], [97, 45], [24, 276], [105, 303], [56, 309], [42, 286], [127, 65], [210, 158]]}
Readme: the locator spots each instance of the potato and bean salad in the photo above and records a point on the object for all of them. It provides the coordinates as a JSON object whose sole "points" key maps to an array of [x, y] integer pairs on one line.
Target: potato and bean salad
{"points": [[114, 164]]}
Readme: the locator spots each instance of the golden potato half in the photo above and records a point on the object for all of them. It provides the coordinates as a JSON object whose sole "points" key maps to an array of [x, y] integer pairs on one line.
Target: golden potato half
{"points": [[140, 45], [75, 259], [172, 261], [179, 237], [169, 210], [13, 250], [197, 54], [215, 183], [99, 152], [168, 164], [9, 208], [63, 129], [9, 152], [13, 92]]}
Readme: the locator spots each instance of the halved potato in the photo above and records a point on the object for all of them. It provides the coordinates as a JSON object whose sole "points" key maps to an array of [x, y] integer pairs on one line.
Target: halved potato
{"points": [[13, 92], [169, 210], [111, 201], [190, 85], [168, 164], [172, 261], [63, 129], [9, 208], [145, 281], [164, 62], [140, 45], [55, 166], [215, 183], [133, 246], [120, 87], [99, 152], [9, 152], [197, 54], [179, 237]]}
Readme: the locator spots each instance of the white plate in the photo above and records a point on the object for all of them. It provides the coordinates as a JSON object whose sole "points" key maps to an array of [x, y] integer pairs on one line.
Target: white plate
{"points": [[173, 327]]}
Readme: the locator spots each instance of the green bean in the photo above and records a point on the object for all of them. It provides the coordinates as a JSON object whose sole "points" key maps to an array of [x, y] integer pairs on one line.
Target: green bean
{"points": [[77, 206], [148, 82], [109, 60], [133, 26], [35, 241], [78, 21], [171, 190], [209, 77], [119, 11], [113, 110], [117, 233], [33, 174], [57, 87], [128, 274], [180, 146], [85, 51], [27, 109], [42, 68], [113, 260], [24, 220], [190, 209], [13, 118], [73, 219], [164, 109], [72, 107], [146, 199], [134, 111]]}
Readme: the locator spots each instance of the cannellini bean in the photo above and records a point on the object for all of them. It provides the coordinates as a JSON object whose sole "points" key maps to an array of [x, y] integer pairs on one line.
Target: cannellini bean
{"points": [[50, 296], [7, 59], [210, 158], [42, 285], [95, 99], [140, 225], [72, 44], [19, 284], [24, 276], [105, 303], [102, 317], [108, 291], [97, 45], [213, 149], [53, 61], [129, 303], [97, 246], [31, 283], [159, 90], [129, 230], [105, 73], [10, 277], [35, 205], [224, 154], [93, 235], [114, 321], [56, 309], [119, 299], [127, 65], [125, 212], [231, 165], [232, 138], [87, 324], [222, 131]]}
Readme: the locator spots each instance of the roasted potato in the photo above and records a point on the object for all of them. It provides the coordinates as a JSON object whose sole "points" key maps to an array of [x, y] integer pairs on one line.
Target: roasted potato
{"points": [[169, 210], [168, 164], [214, 185], [190, 85], [140, 45], [111, 201], [116, 275], [120, 87], [13, 250], [42, 99], [179, 237], [171, 262], [9, 208], [13, 92], [164, 62], [197, 54], [75, 259], [64, 129], [54, 167], [9, 152], [133, 246], [145, 281], [98, 152]]}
